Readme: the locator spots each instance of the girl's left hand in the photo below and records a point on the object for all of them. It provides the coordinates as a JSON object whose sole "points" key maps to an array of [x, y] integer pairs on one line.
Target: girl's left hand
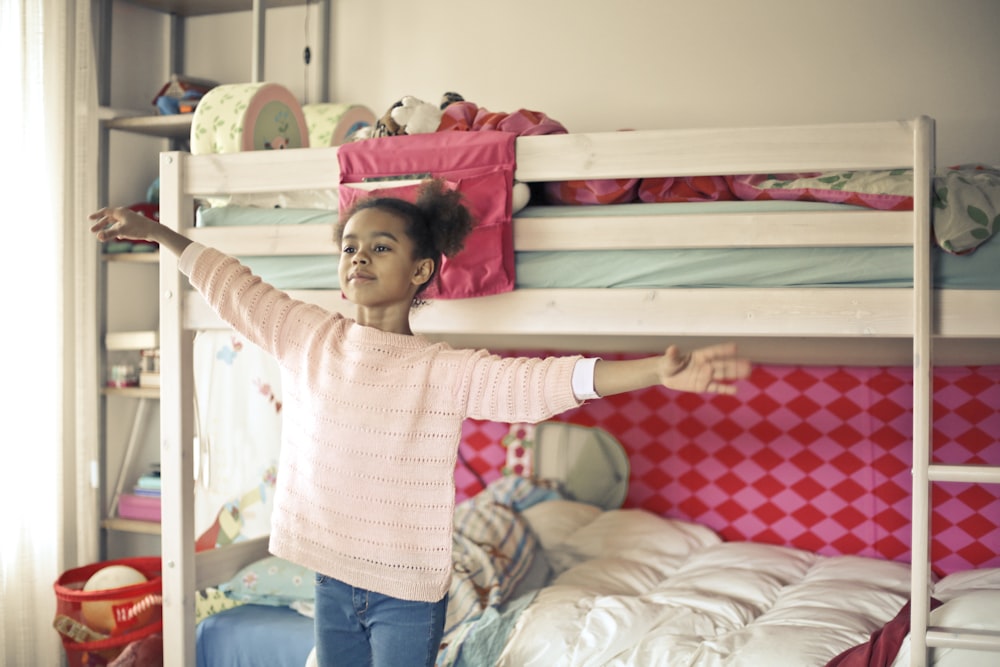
{"points": [[711, 369]]}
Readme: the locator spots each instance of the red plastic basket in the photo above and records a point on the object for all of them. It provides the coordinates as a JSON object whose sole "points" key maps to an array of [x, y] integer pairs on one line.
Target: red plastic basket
{"points": [[136, 611]]}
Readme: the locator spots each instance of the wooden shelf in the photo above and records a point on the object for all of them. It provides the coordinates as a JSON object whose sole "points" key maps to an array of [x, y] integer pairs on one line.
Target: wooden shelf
{"points": [[132, 392], [203, 7], [132, 526], [132, 340], [174, 126]]}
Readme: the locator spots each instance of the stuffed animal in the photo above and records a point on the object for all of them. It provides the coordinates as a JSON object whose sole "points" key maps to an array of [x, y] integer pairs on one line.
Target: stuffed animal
{"points": [[411, 115]]}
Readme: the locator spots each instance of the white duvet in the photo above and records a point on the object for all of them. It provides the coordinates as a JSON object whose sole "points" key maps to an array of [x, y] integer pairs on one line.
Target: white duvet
{"points": [[627, 588], [634, 589]]}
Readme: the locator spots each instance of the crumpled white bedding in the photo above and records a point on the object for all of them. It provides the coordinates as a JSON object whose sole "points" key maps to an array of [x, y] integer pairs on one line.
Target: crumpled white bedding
{"points": [[632, 589], [626, 588]]}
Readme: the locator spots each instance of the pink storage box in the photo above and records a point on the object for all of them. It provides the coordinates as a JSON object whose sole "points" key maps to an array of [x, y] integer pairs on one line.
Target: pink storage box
{"points": [[141, 508]]}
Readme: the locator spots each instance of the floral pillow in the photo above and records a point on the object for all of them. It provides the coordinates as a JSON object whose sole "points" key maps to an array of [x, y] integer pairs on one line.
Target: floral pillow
{"points": [[884, 190], [966, 207], [966, 197], [271, 581]]}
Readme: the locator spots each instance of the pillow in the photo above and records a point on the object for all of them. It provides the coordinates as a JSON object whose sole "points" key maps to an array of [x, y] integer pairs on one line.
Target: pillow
{"points": [[974, 610], [554, 520], [977, 611], [957, 583], [872, 572], [966, 207], [327, 199], [633, 534], [271, 581], [516, 492], [615, 576]]}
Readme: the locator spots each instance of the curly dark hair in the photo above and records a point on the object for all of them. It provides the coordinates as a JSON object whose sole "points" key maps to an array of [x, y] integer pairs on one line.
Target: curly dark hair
{"points": [[438, 222]]}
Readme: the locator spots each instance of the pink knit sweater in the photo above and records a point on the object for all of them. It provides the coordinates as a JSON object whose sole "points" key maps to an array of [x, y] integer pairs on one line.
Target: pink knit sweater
{"points": [[370, 431]]}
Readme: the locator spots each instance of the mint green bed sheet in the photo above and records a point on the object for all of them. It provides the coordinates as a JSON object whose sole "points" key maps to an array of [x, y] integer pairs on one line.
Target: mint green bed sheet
{"points": [[703, 267]]}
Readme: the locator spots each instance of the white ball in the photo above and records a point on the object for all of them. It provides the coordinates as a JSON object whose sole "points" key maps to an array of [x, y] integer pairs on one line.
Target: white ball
{"points": [[99, 614]]}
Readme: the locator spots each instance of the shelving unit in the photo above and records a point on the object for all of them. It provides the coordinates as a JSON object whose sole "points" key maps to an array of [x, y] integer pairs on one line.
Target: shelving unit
{"points": [[173, 130], [131, 342], [144, 399], [118, 465], [128, 419]]}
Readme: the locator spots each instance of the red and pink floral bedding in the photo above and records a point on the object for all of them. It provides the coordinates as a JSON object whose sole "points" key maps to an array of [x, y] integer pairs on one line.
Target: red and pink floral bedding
{"points": [[966, 198]]}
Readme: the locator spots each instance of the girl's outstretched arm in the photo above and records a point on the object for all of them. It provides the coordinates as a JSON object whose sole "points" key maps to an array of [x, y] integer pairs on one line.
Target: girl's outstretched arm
{"points": [[124, 223], [711, 369]]}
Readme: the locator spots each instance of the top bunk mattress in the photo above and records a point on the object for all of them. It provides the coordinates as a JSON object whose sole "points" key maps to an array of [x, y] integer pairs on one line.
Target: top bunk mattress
{"points": [[653, 268]]}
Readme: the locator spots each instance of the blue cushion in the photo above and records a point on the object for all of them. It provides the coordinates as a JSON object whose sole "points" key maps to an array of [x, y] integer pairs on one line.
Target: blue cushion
{"points": [[271, 581]]}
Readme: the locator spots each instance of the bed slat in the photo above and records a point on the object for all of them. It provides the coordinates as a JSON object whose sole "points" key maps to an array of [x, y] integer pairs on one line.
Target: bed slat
{"points": [[761, 150], [725, 230], [278, 240], [219, 565]]}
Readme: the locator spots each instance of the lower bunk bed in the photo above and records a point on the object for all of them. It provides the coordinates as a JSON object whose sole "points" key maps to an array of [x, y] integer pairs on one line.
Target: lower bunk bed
{"points": [[544, 581], [599, 602], [585, 478]]}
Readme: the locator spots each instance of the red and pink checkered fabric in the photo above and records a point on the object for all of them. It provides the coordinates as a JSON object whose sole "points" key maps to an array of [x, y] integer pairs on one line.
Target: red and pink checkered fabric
{"points": [[816, 458]]}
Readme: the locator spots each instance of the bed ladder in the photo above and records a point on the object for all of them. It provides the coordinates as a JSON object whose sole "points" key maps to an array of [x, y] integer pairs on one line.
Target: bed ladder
{"points": [[923, 636]]}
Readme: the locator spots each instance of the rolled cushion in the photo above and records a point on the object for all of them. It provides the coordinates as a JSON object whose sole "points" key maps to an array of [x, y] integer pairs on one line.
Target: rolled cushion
{"points": [[331, 124], [248, 117]]}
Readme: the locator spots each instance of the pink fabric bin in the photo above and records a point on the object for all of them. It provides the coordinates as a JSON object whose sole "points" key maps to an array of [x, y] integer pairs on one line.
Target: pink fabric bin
{"points": [[140, 508]]}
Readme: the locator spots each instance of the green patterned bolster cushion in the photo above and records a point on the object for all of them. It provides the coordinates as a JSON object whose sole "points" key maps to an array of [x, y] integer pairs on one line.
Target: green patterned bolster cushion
{"points": [[332, 123], [248, 117]]}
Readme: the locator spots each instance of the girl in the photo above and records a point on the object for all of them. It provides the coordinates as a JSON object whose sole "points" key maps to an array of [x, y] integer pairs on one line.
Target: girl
{"points": [[373, 414]]}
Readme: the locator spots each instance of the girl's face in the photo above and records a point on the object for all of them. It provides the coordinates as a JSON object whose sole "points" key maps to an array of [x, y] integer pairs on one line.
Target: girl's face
{"points": [[377, 263]]}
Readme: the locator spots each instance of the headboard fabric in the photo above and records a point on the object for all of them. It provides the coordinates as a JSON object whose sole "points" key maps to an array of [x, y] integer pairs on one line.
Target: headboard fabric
{"points": [[811, 457]]}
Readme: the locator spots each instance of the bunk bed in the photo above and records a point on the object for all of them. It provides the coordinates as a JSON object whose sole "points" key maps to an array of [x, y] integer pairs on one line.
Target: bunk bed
{"points": [[912, 322]]}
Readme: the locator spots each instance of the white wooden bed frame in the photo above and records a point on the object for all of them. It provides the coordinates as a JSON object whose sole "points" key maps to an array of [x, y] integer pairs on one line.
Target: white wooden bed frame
{"points": [[829, 325]]}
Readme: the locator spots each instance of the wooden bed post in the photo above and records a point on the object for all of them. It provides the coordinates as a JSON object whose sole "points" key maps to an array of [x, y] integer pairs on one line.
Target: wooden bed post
{"points": [[923, 395], [176, 430]]}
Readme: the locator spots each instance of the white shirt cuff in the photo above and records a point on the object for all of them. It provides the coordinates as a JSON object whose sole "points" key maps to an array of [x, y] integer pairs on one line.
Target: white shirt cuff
{"points": [[583, 379], [190, 255]]}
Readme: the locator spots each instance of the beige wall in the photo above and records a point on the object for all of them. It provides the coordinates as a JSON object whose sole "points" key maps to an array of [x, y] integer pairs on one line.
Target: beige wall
{"points": [[600, 65]]}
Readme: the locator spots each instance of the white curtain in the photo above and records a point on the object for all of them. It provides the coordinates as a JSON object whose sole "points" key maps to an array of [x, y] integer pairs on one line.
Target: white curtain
{"points": [[48, 379]]}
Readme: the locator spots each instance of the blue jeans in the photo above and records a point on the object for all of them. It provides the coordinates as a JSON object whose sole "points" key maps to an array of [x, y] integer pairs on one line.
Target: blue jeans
{"points": [[359, 628]]}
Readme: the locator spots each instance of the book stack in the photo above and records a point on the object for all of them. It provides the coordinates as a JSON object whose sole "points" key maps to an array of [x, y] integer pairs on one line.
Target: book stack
{"points": [[148, 485], [143, 504], [149, 368]]}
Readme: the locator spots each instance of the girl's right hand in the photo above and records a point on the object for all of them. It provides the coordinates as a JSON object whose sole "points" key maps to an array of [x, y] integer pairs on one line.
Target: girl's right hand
{"points": [[122, 223]]}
